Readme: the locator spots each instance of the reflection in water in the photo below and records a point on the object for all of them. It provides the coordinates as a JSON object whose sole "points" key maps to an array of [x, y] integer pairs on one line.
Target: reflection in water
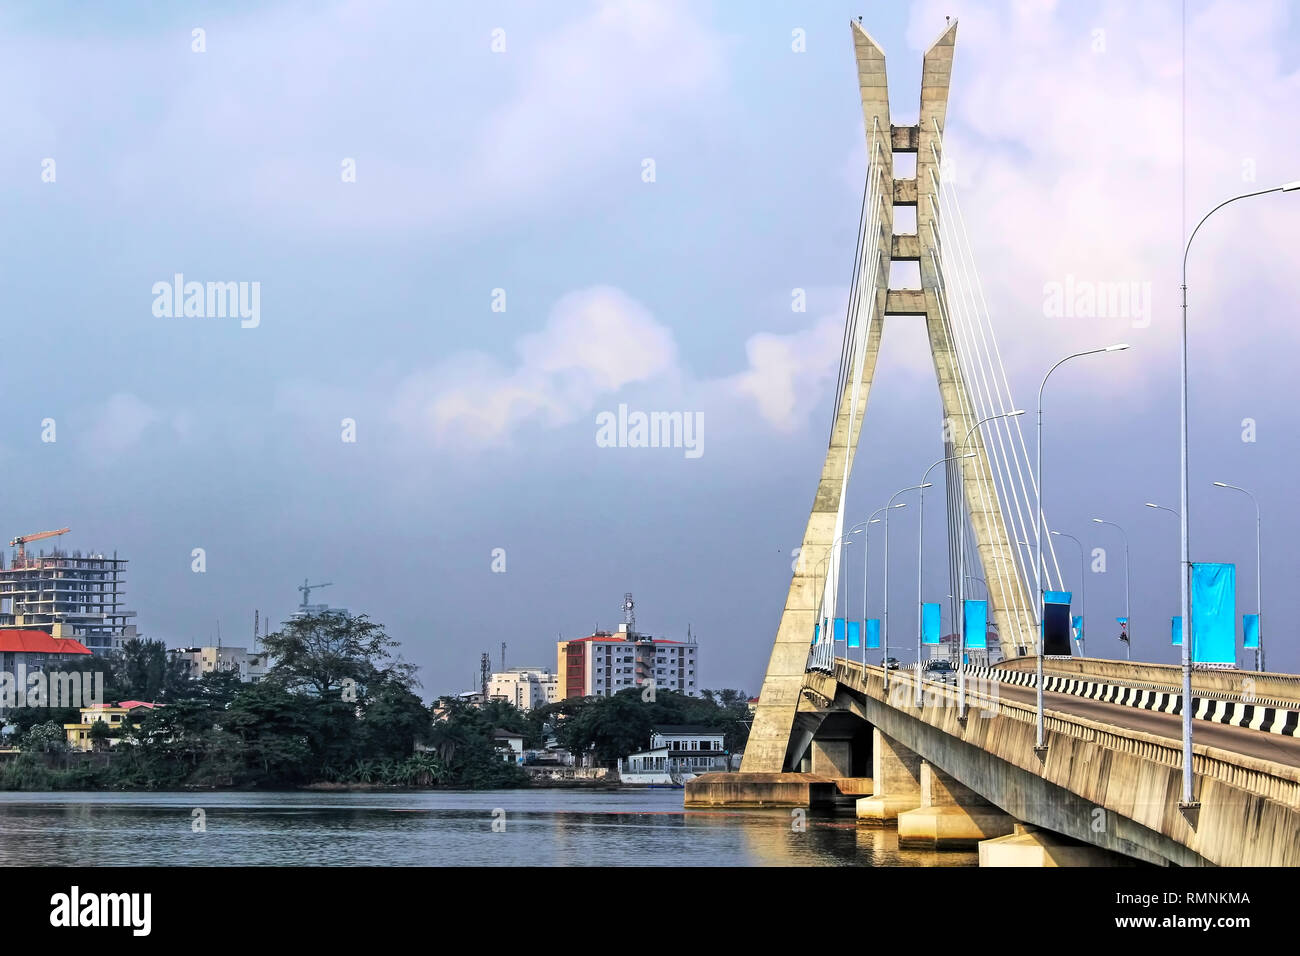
{"points": [[541, 828]]}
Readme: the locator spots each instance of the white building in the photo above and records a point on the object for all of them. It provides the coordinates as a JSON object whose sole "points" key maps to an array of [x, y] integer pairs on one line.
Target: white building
{"points": [[511, 746], [676, 754], [250, 668], [525, 687]]}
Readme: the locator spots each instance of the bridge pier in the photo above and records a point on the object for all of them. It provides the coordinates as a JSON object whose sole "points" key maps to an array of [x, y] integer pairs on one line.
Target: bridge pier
{"points": [[896, 782], [951, 815]]}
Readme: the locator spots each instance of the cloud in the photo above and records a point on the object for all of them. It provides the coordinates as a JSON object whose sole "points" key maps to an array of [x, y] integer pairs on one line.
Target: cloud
{"points": [[596, 341], [1065, 131], [445, 133], [788, 374], [120, 425]]}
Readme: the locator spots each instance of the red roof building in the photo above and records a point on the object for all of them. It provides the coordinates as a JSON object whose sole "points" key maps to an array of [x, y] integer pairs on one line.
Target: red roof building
{"points": [[38, 642]]}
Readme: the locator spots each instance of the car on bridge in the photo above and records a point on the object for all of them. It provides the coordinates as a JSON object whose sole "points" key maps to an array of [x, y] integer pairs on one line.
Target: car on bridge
{"points": [[941, 670], [891, 663]]}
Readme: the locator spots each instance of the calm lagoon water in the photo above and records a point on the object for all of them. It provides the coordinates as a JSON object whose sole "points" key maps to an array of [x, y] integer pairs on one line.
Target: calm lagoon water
{"points": [[443, 828]]}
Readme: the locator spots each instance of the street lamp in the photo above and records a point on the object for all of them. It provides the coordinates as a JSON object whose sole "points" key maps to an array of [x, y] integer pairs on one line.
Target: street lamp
{"points": [[1185, 559], [1259, 574], [866, 542], [1083, 588], [1128, 621], [885, 627], [820, 600], [1038, 532], [961, 572], [1152, 504], [920, 562]]}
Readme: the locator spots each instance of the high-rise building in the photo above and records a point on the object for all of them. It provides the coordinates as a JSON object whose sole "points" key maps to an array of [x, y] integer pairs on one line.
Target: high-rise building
{"points": [[67, 594], [605, 663]]}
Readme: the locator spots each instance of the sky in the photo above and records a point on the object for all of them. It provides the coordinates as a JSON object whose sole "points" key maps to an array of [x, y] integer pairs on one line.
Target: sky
{"points": [[475, 229]]}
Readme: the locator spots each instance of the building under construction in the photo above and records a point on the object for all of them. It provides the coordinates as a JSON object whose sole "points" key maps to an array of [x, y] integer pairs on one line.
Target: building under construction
{"points": [[66, 594]]}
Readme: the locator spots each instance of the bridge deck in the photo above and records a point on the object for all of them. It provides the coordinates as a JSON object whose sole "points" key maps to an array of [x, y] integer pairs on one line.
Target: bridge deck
{"points": [[1243, 740]]}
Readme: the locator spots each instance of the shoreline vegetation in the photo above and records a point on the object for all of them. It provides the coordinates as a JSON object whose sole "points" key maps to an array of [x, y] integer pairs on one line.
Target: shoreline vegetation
{"points": [[336, 712]]}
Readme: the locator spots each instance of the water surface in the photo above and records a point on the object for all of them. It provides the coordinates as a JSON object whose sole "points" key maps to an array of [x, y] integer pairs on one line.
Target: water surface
{"points": [[432, 828]]}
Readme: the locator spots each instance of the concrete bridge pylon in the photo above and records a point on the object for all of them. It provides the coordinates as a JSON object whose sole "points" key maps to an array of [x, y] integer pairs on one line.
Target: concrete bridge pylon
{"points": [[769, 749]]}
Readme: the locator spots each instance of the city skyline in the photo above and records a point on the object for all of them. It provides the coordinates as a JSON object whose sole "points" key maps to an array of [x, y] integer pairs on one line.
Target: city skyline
{"points": [[477, 430]]}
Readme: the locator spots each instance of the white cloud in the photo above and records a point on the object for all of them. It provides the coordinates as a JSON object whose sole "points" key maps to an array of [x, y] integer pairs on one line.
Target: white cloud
{"points": [[445, 133], [788, 374], [595, 342], [119, 425]]}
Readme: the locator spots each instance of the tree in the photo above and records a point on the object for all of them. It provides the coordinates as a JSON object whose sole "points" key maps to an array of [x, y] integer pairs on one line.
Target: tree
{"points": [[44, 738], [100, 735], [145, 671], [394, 720], [321, 653]]}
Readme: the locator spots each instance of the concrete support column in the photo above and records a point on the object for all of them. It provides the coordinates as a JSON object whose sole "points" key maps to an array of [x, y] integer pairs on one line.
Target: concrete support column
{"points": [[896, 782], [832, 758], [951, 815]]}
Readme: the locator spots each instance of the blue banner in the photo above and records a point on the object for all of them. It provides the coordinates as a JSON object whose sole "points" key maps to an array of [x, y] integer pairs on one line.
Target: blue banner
{"points": [[1076, 623], [976, 616], [817, 632], [1214, 613], [1057, 597], [839, 629], [855, 633], [1250, 630], [930, 622], [1176, 629], [873, 632]]}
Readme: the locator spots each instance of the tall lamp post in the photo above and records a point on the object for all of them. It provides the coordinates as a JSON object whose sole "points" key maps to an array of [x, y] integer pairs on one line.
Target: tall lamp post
{"points": [[1186, 561], [1259, 574], [1083, 587], [885, 627], [1152, 504], [839, 542], [1038, 533], [961, 571], [1128, 621], [920, 562], [866, 542]]}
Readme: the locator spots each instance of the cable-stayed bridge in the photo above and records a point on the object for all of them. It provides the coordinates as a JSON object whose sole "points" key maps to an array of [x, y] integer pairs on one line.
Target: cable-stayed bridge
{"points": [[1035, 758]]}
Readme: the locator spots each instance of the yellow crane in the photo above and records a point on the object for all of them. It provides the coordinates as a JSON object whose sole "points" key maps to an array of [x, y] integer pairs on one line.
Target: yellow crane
{"points": [[22, 539]]}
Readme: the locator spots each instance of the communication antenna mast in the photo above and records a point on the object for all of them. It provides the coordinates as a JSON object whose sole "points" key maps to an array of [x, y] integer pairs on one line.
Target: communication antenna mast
{"points": [[503, 656], [629, 614]]}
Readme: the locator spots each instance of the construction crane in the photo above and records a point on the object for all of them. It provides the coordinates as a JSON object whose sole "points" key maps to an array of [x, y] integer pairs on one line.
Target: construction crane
{"points": [[306, 589], [22, 539]]}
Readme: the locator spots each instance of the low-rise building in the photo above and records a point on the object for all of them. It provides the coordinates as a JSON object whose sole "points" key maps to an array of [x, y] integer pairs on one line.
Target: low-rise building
{"points": [[676, 754], [525, 687], [250, 667], [510, 744], [113, 716]]}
